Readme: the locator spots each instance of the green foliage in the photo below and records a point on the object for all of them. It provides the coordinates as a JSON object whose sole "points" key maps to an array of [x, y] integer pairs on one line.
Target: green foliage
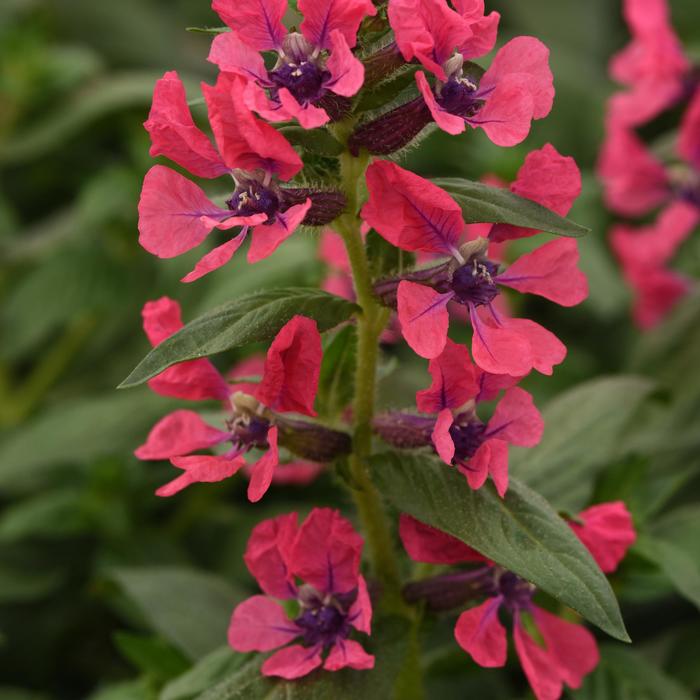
{"points": [[521, 531]]}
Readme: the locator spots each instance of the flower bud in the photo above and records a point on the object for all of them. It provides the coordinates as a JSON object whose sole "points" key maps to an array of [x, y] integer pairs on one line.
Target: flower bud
{"points": [[326, 205], [437, 277], [311, 440], [404, 430]]}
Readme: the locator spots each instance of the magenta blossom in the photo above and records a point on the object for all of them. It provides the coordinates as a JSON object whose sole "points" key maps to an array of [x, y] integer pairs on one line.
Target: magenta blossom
{"points": [[317, 566], [316, 70], [652, 65], [414, 214], [607, 532], [477, 449], [289, 383], [567, 651], [175, 215]]}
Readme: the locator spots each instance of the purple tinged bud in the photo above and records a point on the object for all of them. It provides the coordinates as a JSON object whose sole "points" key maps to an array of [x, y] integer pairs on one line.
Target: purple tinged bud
{"points": [[381, 64], [404, 430], [449, 591], [326, 205], [392, 130], [437, 277], [311, 440]]}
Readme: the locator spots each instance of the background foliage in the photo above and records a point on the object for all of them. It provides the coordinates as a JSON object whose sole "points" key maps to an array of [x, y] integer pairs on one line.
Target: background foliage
{"points": [[111, 593]]}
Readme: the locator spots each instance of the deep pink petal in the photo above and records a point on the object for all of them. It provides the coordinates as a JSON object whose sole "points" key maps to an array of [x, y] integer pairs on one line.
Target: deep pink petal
{"points": [[410, 212], [360, 613], [529, 56], [424, 543], [175, 215], [292, 368], [293, 662], [607, 531], [491, 385], [479, 632], [548, 178], [260, 624], [485, 32], [498, 464], [298, 473], [263, 470], [174, 134], [476, 470], [268, 555], [689, 134], [442, 440], [546, 350], [657, 292], [216, 258], [347, 653], [309, 116], [450, 123], [572, 648], [193, 380], [323, 17], [200, 468], [550, 271], [516, 419], [499, 349], [424, 318], [232, 55], [327, 552], [347, 72], [245, 141], [268, 237], [508, 111], [332, 250], [454, 380], [179, 433], [539, 667], [259, 22]]}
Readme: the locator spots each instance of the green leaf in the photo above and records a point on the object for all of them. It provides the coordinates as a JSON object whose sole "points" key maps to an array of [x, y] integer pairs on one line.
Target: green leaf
{"points": [[584, 431], [389, 644], [483, 203], [189, 608], [313, 140], [385, 258], [208, 30], [626, 675], [253, 318], [21, 586], [212, 668], [679, 567], [520, 532], [151, 655], [51, 514], [336, 383]]}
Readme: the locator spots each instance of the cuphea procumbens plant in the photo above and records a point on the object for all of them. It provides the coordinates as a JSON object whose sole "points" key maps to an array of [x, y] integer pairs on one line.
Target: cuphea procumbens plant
{"points": [[300, 123]]}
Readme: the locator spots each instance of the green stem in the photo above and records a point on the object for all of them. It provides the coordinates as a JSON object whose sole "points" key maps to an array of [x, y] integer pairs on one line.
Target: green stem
{"points": [[369, 326]]}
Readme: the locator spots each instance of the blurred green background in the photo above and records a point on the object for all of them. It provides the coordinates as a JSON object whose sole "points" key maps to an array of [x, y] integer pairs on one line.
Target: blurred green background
{"points": [[109, 592]]}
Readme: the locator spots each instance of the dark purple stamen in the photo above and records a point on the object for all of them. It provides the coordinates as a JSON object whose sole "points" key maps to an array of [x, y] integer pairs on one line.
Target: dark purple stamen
{"points": [[458, 96], [473, 282], [324, 625], [253, 197], [467, 434], [304, 79], [517, 593], [249, 432]]}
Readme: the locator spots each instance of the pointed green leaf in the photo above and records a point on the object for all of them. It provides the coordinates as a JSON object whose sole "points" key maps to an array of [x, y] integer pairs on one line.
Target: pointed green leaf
{"points": [[253, 318], [521, 532], [482, 203]]}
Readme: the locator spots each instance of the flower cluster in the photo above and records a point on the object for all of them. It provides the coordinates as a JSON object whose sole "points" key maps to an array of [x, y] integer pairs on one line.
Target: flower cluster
{"points": [[640, 178], [359, 81]]}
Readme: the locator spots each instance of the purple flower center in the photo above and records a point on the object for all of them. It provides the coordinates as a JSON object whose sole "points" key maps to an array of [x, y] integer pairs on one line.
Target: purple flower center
{"points": [[323, 624], [517, 593], [304, 79], [458, 96], [252, 197], [248, 432], [467, 438], [473, 282]]}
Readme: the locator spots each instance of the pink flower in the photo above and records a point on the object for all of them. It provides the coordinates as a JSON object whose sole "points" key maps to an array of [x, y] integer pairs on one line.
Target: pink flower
{"points": [[478, 450], [416, 215], [332, 598], [568, 651], [289, 384], [332, 252], [644, 254], [175, 215], [316, 70], [607, 531], [429, 545], [652, 64]]}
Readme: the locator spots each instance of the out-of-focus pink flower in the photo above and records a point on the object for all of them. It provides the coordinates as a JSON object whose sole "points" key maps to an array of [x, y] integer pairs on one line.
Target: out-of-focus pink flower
{"points": [[607, 531], [175, 215], [416, 215], [304, 84], [429, 545], [324, 552], [289, 384]]}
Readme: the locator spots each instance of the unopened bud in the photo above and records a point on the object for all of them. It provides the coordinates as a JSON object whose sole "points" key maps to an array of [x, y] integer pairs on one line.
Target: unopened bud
{"points": [[311, 440], [404, 430], [326, 205]]}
